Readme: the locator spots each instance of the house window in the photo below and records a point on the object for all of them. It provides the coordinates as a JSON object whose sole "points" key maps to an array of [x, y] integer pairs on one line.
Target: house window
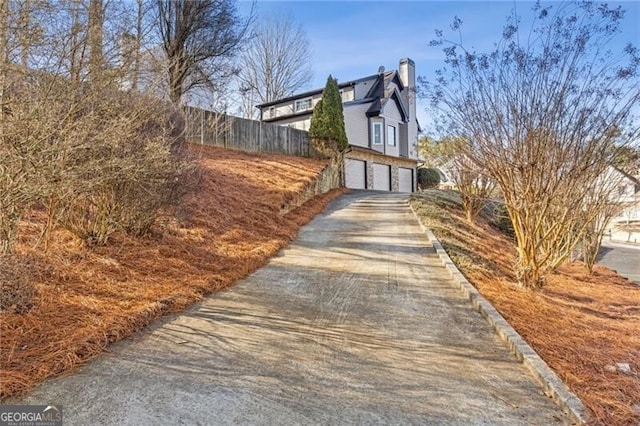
{"points": [[303, 105], [391, 135], [376, 133]]}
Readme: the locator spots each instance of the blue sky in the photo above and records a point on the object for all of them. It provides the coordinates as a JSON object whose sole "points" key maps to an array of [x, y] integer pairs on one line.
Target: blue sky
{"points": [[351, 39]]}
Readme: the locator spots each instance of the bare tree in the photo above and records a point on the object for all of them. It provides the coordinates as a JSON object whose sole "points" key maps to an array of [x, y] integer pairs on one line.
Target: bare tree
{"points": [[132, 49], [4, 50], [472, 181], [140, 54], [545, 112], [199, 39], [276, 63], [25, 23], [96, 21], [98, 158], [140, 11]]}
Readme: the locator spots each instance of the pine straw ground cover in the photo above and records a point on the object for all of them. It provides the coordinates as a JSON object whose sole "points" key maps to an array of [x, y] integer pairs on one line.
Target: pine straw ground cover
{"points": [[580, 325], [85, 298]]}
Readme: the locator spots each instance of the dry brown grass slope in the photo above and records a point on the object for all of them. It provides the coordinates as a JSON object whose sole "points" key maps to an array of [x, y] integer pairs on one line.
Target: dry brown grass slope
{"points": [[580, 325], [86, 298]]}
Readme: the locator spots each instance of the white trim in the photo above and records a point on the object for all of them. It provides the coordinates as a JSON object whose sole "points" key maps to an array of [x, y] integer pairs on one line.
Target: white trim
{"points": [[380, 140], [392, 136]]}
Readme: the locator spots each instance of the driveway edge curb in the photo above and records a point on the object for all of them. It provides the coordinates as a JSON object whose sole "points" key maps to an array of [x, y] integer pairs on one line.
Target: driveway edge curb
{"points": [[547, 378]]}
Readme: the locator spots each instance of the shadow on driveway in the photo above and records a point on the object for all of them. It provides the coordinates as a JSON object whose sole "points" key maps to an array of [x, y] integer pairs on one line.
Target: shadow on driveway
{"points": [[355, 322]]}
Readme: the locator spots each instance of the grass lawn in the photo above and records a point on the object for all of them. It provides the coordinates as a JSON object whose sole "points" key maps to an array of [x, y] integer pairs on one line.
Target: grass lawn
{"points": [[582, 326], [85, 298]]}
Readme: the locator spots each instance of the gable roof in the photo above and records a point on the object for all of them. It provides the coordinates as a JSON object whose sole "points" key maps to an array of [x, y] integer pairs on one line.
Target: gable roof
{"points": [[382, 84], [380, 102], [379, 95], [382, 91], [314, 92]]}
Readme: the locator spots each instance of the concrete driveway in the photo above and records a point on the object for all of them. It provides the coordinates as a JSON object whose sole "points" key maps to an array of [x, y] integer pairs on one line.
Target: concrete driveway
{"points": [[356, 322]]}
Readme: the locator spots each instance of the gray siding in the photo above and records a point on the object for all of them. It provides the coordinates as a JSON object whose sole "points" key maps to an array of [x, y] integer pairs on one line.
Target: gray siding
{"points": [[356, 124], [392, 118]]}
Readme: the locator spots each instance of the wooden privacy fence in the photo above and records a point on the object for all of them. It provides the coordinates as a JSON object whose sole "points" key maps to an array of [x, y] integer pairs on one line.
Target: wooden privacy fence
{"points": [[210, 128]]}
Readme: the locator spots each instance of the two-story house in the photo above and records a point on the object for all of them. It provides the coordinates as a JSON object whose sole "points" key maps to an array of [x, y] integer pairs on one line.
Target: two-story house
{"points": [[381, 125]]}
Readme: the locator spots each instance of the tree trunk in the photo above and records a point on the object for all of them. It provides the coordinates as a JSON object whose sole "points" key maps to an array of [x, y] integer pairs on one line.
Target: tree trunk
{"points": [[176, 77], [75, 50], [25, 39], [529, 272], [138, 46], [96, 20], [528, 275], [175, 90], [9, 218], [590, 247]]}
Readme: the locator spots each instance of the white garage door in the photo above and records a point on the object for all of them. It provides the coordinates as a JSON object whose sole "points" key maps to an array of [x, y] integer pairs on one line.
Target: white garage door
{"points": [[355, 173], [405, 179], [381, 177]]}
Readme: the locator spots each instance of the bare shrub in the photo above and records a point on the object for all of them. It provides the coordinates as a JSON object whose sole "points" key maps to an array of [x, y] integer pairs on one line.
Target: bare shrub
{"points": [[14, 197], [129, 168], [23, 146]]}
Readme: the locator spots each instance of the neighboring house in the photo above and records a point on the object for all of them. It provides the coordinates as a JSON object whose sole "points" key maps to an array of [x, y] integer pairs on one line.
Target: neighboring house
{"points": [[626, 192], [446, 180], [381, 125], [621, 187], [621, 190], [448, 172]]}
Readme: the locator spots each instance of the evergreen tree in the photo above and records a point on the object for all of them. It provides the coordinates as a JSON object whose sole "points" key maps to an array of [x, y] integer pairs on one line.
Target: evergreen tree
{"points": [[317, 121], [327, 129]]}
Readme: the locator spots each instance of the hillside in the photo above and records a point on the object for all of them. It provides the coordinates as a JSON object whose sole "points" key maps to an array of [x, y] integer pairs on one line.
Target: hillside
{"points": [[84, 298], [582, 326]]}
